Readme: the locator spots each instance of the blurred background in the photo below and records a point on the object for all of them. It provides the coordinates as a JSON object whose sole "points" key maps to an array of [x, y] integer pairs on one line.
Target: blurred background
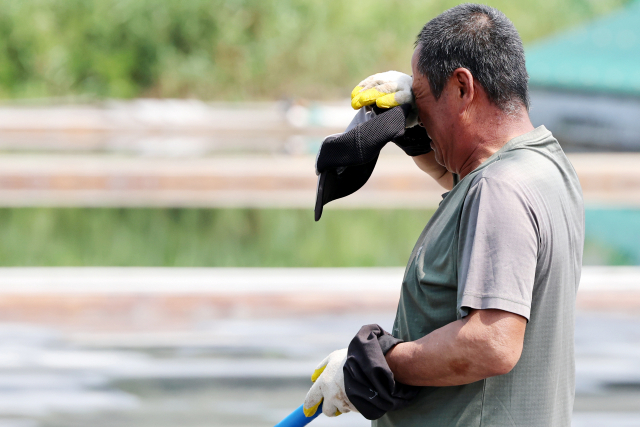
{"points": [[159, 262]]}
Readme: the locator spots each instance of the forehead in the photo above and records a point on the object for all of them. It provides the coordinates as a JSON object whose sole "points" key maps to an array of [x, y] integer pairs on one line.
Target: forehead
{"points": [[420, 82]]}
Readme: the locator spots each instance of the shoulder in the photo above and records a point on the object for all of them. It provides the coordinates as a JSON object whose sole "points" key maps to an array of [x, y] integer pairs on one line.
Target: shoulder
{"points": [[499, 191], [532, 171], [508, 175], [509, 187], [517, 165]]}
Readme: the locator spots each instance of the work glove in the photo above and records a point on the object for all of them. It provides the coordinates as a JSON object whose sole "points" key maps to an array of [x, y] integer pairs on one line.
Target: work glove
{"points": [[386, 90], [328, 386], [368, 380]]}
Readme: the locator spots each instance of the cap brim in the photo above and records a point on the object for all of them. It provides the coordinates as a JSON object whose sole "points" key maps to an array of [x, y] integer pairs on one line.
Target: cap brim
{"points": [[333, 185]]}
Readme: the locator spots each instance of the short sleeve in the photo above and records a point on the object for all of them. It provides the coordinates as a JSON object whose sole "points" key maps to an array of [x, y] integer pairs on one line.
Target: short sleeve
{"points": [[498, 249]]}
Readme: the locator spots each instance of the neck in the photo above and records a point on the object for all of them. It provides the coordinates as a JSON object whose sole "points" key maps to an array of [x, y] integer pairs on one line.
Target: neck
{"points": [[490, 135]]}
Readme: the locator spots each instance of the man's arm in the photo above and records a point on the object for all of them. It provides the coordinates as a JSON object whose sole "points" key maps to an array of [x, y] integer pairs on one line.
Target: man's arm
{"points": [[427, 163], [483, 344]]}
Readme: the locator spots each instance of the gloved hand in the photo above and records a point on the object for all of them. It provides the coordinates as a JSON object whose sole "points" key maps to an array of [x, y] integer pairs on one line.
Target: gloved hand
{"points": [[386, 90], [328, 386], [369, 382]]}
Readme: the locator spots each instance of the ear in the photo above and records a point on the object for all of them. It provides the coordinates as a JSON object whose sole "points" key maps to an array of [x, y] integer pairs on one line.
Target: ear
{"points": [[465, 86]]}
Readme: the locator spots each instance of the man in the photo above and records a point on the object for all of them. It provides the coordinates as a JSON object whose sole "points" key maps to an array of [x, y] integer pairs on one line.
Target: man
{"points": [[485, 320]]}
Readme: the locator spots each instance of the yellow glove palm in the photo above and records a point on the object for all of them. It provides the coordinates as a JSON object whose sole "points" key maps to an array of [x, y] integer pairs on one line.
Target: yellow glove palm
{"points": [[386, 90]]}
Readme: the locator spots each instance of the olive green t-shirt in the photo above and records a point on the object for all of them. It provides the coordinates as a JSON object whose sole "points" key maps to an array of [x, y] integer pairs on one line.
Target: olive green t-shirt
{"points": [[509, 236]]}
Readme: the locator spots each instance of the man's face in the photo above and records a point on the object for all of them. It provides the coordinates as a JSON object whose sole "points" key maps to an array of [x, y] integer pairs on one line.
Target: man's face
{"points": [[435, 115]]}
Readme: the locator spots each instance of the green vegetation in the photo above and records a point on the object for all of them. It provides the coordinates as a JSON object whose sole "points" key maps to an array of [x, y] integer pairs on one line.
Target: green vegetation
{"points": [[207, 237], [228, 50], [252, 237]]}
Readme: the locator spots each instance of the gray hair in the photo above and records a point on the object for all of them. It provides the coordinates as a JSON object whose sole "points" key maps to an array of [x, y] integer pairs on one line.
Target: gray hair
{"points": [[484, 41]]}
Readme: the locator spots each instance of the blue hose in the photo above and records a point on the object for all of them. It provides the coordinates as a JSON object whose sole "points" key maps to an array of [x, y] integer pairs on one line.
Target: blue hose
{"points": [[298, 419]]}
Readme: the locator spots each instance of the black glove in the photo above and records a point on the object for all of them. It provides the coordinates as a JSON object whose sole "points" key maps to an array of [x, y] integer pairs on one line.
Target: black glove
{"points": [[414, 141], [368, 381], [346, 161]]}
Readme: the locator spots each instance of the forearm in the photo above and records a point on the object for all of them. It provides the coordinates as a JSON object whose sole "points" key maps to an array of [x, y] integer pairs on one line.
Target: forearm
{"points": [[427, 163], [468, 350], [442, 358]]}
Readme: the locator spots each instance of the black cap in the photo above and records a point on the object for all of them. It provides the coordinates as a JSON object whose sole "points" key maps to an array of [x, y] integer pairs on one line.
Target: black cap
{"points": [[333, 185]]}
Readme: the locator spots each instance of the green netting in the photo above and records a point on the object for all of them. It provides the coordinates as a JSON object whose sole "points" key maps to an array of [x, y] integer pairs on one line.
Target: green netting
{"points": [[603, 56]]}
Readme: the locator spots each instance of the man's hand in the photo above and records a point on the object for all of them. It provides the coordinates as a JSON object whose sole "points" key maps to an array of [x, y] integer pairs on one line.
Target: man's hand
{"points": [[386, 90], [328, 385]]}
